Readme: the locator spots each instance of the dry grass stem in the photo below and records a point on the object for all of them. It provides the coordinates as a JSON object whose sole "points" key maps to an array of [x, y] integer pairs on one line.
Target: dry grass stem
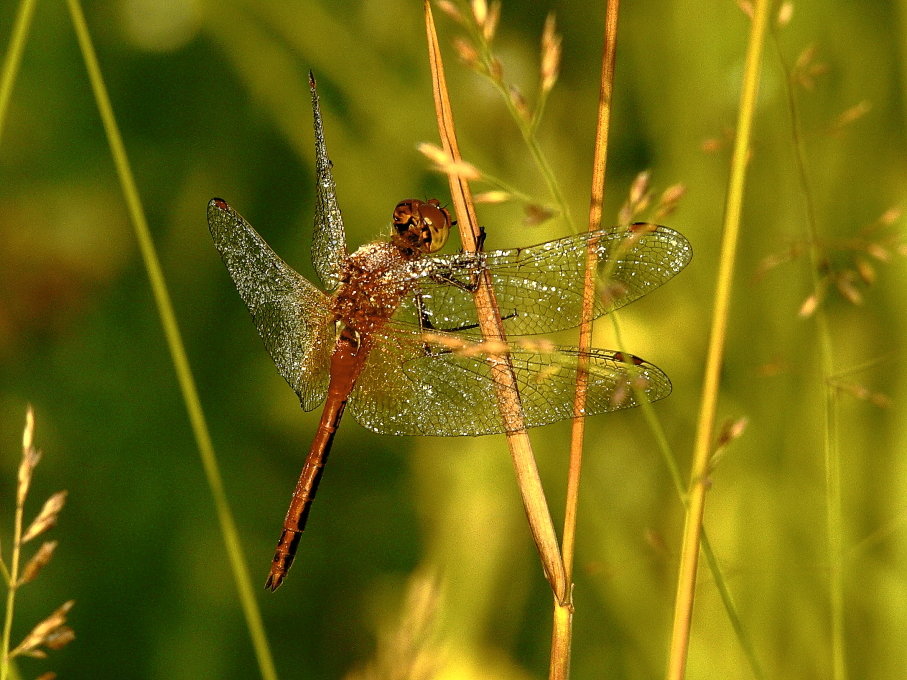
{"points": [[490, 325]]}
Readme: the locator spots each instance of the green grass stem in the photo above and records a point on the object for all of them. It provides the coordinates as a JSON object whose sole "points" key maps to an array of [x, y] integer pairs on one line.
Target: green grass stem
{"points": [[177, 350], [13, 59], [832, 455], [692, 534]]}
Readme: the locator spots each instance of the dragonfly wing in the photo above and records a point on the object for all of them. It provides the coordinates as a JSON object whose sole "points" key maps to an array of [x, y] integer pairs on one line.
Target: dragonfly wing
{"points": [[410, 388], [329, 244], [539, 288], [292, 316]]}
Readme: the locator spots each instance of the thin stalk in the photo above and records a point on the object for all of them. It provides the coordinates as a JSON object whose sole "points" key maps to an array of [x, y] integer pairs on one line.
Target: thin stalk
{"points": [[832, 456], [12, 587], [13, 59], [489, 318], [526, 126], [175, 345], [562, 630], [711, 559], [692, 534]]}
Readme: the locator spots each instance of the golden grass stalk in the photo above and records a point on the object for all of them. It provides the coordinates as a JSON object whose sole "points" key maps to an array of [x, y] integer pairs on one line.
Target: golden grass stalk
{"points": [[490, 324], [562, 628], [702, 451], [176, 347]]}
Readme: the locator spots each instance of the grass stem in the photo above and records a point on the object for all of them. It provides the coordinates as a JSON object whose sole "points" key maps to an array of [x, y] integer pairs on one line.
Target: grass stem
{"points": [[832, 457], [489, 318], [13, 59], [699, 482], [176, 347]]}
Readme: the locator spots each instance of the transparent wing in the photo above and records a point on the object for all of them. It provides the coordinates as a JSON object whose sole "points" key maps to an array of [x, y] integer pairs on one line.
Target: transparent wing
{"points": [[539, 288], [410, 387], [292, 316], [329, 242]]}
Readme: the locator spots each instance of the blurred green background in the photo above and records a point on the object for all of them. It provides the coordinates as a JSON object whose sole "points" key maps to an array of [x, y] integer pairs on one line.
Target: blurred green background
{"points": [[212, 101]]}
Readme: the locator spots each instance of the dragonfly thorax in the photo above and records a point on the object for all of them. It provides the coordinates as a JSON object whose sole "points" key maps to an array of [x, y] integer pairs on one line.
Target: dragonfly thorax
{"points": [[372, 284], [420, 226]]}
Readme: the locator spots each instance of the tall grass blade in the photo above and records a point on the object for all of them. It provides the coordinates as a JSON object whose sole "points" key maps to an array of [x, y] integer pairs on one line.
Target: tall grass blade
{"points": [[175, 345], [528, 480], [692, 534], [13, 58]]}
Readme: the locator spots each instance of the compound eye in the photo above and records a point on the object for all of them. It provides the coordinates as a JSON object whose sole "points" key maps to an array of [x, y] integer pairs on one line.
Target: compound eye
{"points": [[435, 226], [421, 225]]}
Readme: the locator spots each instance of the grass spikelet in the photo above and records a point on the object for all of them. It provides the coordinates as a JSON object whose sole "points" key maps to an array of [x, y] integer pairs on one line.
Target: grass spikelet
{"points": [[52, 632], [47, 518], [551, 55], [38, 561]]}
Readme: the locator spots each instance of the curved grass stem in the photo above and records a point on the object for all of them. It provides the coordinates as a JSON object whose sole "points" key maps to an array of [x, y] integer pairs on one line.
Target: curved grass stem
{"points": [[176, 347]]}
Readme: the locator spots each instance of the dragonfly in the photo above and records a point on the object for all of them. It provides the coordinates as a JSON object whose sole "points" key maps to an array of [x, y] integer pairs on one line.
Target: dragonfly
{"points": [[395, 336]]}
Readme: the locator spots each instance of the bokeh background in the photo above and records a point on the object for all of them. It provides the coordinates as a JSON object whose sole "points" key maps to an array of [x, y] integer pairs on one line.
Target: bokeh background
{"points": [[212, 101]]}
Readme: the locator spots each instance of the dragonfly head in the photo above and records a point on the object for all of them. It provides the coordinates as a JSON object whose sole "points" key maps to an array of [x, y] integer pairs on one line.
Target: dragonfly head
{"points": [[420, 226]]}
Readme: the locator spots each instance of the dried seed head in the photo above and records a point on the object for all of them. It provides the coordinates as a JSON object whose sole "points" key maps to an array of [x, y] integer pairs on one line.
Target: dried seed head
{"points": [[30, 457], [492, 197], [28, 434], [496, 70], [640, 186], [444, 163], [731, 430], [711, 145], [638, 198], [807, 69], [536, 214], [746, 7], [670, 199], [467, 53], [451, 10], [52, 633], [850, 115], [785, 13], [890, 216], [479, 11], [863, 393], [38, 562], [878, 251], [845, 285], [809, 306], [866, 271], [491, 21], [47, 517], [519, 102], [551, 54]]}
